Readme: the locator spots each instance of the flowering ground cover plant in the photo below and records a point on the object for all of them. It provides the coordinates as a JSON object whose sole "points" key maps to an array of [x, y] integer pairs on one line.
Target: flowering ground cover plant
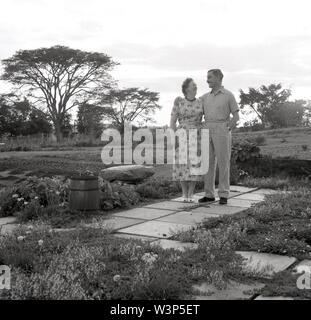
{"points": [[279, 225], [35, 193], [92, 264]]}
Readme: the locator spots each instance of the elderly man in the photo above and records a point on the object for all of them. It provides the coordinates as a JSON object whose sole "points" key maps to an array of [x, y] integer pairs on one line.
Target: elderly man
{"points": [[218, 105]]}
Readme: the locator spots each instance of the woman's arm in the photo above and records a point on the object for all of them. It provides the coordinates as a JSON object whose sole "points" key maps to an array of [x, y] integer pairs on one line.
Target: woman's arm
{"points": [[174, 113]]}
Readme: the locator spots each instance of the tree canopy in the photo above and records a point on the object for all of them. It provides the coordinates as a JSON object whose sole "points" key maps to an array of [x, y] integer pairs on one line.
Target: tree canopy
{"points": [[132, 105], [59, 77]]}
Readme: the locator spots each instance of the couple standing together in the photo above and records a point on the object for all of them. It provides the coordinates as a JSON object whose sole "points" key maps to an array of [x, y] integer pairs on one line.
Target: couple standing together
{"points": [[216, 106]]}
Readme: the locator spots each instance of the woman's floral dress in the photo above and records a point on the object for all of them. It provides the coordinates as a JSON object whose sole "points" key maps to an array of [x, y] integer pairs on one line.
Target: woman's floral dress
{"points": [[189, 116]]}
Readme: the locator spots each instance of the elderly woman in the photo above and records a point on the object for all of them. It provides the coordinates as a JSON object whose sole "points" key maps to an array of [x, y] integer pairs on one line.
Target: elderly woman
{"points": [[188, 111]]}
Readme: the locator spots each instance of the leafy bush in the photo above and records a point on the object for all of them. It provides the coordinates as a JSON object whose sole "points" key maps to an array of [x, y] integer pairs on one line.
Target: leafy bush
{"points": [[118, 195], [157, 188], [244, 150]]}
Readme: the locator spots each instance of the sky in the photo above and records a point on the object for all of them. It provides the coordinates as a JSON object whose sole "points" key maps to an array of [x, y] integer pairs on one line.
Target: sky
{"points": [[159, 43]]}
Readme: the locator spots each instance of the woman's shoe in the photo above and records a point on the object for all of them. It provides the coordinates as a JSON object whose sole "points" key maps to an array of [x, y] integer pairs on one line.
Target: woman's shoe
{"points": [[184, 199], [191, 199]]}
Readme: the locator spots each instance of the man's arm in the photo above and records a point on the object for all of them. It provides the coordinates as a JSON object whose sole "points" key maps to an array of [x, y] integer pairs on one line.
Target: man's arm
{"points": [[234, 120], [234, 108]]}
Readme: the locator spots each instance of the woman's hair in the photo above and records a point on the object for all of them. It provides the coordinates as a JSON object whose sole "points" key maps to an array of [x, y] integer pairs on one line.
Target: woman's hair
{"points": [[185, 85]]}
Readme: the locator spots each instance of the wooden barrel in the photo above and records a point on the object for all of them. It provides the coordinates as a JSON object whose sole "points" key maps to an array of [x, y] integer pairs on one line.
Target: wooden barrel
{"points": [[84, 193]]}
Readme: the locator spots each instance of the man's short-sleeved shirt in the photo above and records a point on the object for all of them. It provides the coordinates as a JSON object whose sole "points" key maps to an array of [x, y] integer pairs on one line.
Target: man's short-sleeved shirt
{"points": [[218, 106]]}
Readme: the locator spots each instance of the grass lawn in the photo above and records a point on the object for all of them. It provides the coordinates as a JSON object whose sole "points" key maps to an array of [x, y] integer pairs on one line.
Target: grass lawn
{"points": [[289, 142]]}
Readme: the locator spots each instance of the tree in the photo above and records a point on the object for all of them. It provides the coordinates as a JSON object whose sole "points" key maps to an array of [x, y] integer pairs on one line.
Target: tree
{"points": [[130, 105], [59, 77], [18, 117], [264, 101], [90, 118], [288, 114]]}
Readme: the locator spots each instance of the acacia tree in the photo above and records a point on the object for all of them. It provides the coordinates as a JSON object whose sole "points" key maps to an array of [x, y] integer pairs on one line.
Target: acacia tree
{"points": [[264, 101], [130, 105], [59, 77]]}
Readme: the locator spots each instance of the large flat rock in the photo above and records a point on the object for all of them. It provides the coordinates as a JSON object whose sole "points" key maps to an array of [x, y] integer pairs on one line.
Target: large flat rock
{"points": [[218, 210], [7, 220], [187, 217], [234, 291], [265, 264], [158, 229], [170, 205], [143, 213], [171, 244]]}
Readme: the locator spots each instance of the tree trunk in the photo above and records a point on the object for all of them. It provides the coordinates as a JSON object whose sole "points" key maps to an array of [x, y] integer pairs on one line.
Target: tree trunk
{"points": [[58, 131]]}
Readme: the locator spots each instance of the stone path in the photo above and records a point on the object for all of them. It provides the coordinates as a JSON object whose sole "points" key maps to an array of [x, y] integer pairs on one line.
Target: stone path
{"points": [[158, 222]]}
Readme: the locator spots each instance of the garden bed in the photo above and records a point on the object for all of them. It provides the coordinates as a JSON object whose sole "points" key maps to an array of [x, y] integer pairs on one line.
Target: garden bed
{"points": [[92, 264], [279, 225]]}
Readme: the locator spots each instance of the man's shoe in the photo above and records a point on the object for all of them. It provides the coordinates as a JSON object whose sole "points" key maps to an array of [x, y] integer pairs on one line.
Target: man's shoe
{"points": [[206, 199], [223, 201]]}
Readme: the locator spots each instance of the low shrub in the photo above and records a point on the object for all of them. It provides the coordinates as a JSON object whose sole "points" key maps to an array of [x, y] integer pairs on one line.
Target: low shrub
{"points": [[260, 140]]}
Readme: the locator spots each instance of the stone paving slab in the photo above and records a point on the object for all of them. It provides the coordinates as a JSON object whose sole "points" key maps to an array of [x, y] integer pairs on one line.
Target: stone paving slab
{"points": [[251, 196], [265, 264], [7, 220], [233, 194], [273, 298], [158, 229], [195, 198], [169, 205], [143, 213], [265, 191], [114, 223], [218, 210], [7, 229], [171, 244], [187, 217], [233, 202], [242, 189], [134, 237], [303, 267], [234, 291]]}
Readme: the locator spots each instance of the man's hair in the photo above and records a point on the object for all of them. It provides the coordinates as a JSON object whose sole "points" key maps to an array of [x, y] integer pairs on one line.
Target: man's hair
{"points": [[185, 85], [217, 73]]}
